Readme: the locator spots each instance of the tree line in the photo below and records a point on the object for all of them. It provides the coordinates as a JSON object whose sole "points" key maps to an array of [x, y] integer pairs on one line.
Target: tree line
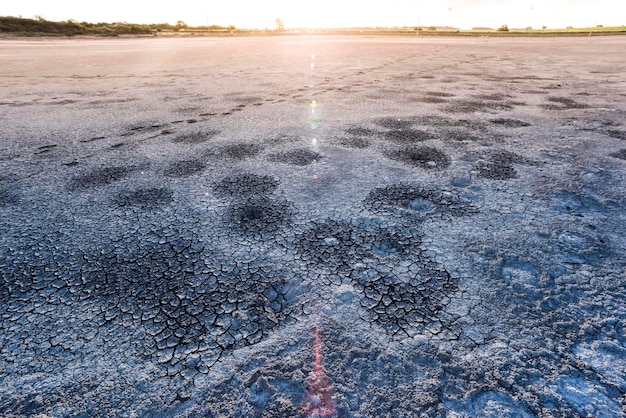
{"points": [[41, 26]]}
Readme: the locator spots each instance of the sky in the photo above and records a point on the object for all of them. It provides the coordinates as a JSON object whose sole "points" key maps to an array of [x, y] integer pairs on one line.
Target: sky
{"points": [[331, 13]]}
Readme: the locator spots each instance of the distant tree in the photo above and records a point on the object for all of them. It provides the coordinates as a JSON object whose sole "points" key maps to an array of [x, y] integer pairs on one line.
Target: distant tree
{"points": [[432, 28], [503, 28], [280, 26], [544, 27], [180, 25]]}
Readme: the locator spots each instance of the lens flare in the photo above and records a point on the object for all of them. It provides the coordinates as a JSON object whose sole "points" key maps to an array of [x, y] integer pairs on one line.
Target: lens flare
{"points": [[313, 121], [319, 399]]}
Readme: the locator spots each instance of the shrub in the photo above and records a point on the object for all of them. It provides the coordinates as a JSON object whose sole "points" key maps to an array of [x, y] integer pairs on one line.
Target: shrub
{"points": [[503, 28]]}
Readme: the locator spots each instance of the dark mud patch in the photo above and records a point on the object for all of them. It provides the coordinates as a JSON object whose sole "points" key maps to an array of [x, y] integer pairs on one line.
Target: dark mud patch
{"points": [[195, 138], [438, 94], [329, 242], [284, 139], [190, 307], [614, 133], [418, 200], [259, 214], [138, 129], [429, 158], [407, 136], [434, 120], [457, 135], [497, 170], [145, 197], [8, 197], [393, 123], [471, 106], [500, 166], [299, 157], [360, 131], [44, 149], [408, 307], [563, 103], [246, 186], [241, 151], [509, 123], [621, 154], [512, 158], [492, 97], [340, 244], [100, 177], [357, 137], [184, 168], [431, 99], [383, 241], [97, 138], [244, 99], [354, 142]]}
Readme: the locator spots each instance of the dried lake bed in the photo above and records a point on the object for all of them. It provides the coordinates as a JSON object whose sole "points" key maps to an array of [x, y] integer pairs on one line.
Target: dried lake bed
{"points": [[313, 226]]}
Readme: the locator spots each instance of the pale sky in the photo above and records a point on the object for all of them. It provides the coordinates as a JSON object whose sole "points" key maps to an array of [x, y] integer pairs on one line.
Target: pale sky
{"points": [[331, 13]]}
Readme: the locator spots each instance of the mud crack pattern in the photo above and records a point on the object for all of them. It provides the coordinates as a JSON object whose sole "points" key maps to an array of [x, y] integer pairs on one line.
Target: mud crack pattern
{"points": [[448, 220]]}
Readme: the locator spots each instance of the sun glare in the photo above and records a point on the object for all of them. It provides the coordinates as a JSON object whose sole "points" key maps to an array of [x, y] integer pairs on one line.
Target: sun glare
{"points": [[326, 13]]}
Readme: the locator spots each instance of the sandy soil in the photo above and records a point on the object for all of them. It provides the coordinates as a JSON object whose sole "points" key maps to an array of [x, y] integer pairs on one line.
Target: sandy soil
{"points": [[313, 226]]}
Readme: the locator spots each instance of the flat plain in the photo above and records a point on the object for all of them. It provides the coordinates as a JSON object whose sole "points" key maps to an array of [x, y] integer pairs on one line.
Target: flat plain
{"points": [[313, 226]]}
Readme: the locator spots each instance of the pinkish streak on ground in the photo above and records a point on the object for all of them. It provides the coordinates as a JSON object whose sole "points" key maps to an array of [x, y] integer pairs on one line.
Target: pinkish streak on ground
{"points": [[319, 399]]}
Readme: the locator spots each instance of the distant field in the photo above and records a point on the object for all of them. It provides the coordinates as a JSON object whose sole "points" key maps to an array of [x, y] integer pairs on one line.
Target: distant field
{"points": [[14, 26]]}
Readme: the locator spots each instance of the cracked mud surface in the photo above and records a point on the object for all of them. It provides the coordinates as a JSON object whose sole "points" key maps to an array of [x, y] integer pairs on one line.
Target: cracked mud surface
{"points": [[448, 213]]}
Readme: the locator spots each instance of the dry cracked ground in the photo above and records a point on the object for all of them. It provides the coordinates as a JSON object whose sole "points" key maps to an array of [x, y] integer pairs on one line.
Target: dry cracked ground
{"points": [[197, 226]]}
